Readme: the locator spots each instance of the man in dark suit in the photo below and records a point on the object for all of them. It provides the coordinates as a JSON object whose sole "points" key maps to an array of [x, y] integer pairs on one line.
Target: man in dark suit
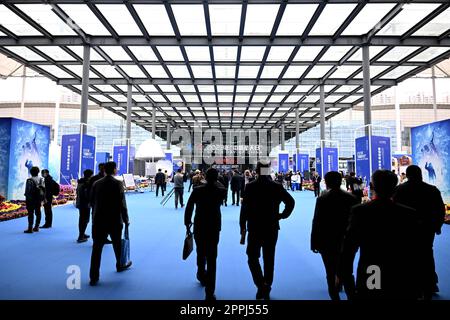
{"points": [[49, 189], [427, 200], [260, 216], [207, 199], [236, 186], [160, 179], [109, 214], [328, 228], [387, 236]]}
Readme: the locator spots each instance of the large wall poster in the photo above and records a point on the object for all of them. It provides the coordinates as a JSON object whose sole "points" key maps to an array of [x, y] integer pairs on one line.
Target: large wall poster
{"points": [[430, 146]]}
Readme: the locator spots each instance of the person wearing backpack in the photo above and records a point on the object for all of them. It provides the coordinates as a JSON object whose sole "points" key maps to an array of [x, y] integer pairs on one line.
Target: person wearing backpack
{"points": [[83, 204], [34, 196], [51, 189]]}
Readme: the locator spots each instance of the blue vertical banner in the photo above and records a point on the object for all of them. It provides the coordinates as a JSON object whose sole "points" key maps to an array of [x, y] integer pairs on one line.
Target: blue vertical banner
{"points": [[131, 160], [169, 156], [100, 157], [120, 156], [87, 153], [330, 161], [70, 158], [302, 162], [374, 154], [362, 161], [294, 160], [283, 162]]}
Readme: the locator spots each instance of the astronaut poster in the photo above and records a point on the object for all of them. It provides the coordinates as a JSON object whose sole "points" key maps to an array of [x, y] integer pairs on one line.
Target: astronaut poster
{"points": [[430, 145]]}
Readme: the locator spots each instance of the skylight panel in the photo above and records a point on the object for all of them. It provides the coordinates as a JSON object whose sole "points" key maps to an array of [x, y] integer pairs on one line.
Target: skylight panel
{"points": [[343, 72], [311, 99], [105, 88], [202, 71], [374, 71], [120, 19], [170, 53], [318, 71], [132, 71], [283, 89], [139, 98], [186, 88], [78, 70], [157, 98], [276, 98], [190, 19], [116, 53], [179, 71], [333, 98], [197, 53], [259, 98], [307, 53], [437, 26], [225, 53], [263, 88], [295, 19], [205, 88], [248, 72], [100, 97], [407, 18], [293, 98], [55, 53], [55, 71], [260, 19], [225, 98], [222, 88], [167, 88], [155, 19], [225, 19], [271, 72], [190, 97], [156, 71], [243, 88], [25, 53], [373, 51], [85, 19], [295, 71], [15, 24], [225, 71], [397, 53], [302, 88], [252, 53], [429, 54], [43, 15], [280, 53], [78, 50], [242, 98], [326, 88], [350, 99], [208, 98], [335, 53], [107, 71], [148, 88], [398, 72], [174, 98], [143, 53], [331, 18], [346, 88], [366, 20]]}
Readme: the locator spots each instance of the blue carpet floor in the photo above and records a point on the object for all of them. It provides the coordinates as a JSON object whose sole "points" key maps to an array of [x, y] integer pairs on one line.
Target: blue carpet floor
{"points": [[34, 266]]}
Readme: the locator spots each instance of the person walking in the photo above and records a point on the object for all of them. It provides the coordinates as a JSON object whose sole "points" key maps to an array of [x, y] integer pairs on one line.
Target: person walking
{"points": [[51, 189], [329, 225], [355, 185], [236, 186], [428, 202], [223, 179], [316, 180], [207, 200], [387, 237], [82, 204], [110, 213], [160, 179], [166, 179], [260, 217], [178, 185], [34, 196]]}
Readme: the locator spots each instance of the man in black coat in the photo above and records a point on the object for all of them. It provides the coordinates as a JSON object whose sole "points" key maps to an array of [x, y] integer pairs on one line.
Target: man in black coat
{"points": [[160, 179], [236, 187], [49, 188], [387, 236], [260, 215], [100, 174], [82, 204], [427, 200], [109, 214], [328, 228], [207, 198]]}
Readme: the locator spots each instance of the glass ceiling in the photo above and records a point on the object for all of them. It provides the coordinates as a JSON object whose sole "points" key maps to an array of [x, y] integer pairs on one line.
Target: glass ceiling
{"points": [[227, 63]]}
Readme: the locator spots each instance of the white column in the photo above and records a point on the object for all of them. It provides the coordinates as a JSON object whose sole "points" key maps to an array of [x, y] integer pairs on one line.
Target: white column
{"points": [[154, 123], [398, 129], [56, 119], [22, 103], [322, 115], [85, 89], [433, 83], [366, 88]]}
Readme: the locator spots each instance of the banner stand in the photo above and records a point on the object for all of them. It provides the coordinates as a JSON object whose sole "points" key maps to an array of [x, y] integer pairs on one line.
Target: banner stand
{"points": [[331, 154], [122, 148]]}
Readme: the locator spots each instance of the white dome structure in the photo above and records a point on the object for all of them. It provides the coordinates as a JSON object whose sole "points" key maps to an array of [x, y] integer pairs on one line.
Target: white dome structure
{"points": [[149, 150]]}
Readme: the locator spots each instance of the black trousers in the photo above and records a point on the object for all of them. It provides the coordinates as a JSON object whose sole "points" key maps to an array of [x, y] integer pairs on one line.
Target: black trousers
{"points": [[267, 241], [34, 209], [190, 185], [235, 195], [330, 260], [99, 235], [48, 213], [83, 220], [430, 277], [179, 197], [164, 186], [206, 244], [317, 191], [162, 189]]}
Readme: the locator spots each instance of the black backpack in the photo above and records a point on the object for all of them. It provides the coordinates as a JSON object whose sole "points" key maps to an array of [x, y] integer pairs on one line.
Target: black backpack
{"points": [[55, 188]]}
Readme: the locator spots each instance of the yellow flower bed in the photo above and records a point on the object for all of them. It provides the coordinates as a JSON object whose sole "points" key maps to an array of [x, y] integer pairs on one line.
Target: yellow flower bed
{"points": [[8, 207]]}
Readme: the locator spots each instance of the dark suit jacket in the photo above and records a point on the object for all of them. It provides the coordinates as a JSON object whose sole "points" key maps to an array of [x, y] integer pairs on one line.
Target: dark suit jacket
{"points": [[93, 180], [109, 205], [426, 199], [207, 199], [260, 209], [160, 178], [387, 236], [331, 218], [236, 182]]}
